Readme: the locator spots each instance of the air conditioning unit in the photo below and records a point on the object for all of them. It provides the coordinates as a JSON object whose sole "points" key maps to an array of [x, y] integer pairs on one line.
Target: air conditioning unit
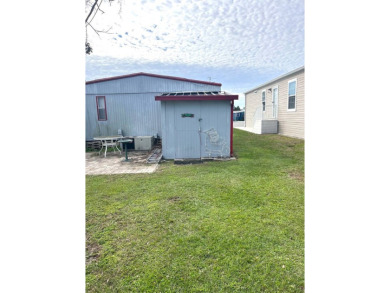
{"points": [[143, 143]]}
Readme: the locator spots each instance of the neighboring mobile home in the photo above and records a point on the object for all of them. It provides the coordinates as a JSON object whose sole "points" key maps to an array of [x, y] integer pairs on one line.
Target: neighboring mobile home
{"points": [[127, 103], [239, 115], [278, 106]]}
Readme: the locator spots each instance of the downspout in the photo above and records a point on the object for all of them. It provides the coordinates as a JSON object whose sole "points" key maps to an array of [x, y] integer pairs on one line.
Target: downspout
{"points": [[200, 140], [231, 128]]}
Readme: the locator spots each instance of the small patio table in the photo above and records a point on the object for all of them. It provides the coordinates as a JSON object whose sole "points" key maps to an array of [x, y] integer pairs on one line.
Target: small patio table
{"points": [[108, 141], [125, 140]]}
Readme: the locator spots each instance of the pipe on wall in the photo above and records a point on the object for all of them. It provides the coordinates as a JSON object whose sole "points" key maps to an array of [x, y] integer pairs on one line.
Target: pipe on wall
{"points": [[231, 128]]}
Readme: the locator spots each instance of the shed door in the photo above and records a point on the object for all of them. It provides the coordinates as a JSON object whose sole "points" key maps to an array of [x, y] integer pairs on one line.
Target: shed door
{"points": [[187, 142]]}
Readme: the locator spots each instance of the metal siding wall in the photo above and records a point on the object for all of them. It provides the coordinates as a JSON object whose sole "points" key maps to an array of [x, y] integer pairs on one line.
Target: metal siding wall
{"points": [[163, 125], [146, 84], [90, 116], [187, 129], [216, 114], [169, 138], [131, 105], [136, 115]]}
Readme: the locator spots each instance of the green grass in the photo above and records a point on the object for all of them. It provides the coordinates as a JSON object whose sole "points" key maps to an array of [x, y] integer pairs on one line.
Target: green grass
{"points": [[232, 226]]}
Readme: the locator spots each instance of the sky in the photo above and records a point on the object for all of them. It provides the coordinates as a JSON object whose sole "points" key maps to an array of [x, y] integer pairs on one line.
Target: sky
{"points": [[239, 43]]}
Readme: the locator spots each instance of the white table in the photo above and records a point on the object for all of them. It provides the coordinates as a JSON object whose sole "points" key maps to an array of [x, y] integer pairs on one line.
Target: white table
{"points": [[109, 141]]}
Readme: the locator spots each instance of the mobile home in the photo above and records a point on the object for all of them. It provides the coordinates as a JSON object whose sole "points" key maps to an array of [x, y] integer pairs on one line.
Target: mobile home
{"points": [[278, 106]]}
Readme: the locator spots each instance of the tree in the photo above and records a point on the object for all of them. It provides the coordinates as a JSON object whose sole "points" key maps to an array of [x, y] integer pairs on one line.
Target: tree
{"points": [[236, 108], [92, 8]]}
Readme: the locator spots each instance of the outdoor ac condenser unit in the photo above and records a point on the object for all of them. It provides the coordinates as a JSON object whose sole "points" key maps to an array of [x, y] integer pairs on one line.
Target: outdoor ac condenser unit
{"points": [[143, 143]]}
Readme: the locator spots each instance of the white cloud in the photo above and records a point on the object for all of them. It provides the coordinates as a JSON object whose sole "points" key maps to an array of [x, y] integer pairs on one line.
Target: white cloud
{"points": [[253, 36]]}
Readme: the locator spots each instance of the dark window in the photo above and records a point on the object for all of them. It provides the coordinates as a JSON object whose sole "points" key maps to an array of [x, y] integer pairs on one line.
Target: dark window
{"points": [[263, 99], [101, 108], [291, 102]]}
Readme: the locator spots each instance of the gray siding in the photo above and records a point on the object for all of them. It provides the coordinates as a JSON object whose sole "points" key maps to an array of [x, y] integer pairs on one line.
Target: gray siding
{"points": [[217, 115], [269, 126], [135, 114], [131, 105], [238, 123], [145, 84], [181, 134]]}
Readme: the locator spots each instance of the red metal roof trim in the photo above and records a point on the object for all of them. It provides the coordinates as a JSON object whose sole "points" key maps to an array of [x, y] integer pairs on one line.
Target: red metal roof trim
{"points": [[152, 75], [197, 98]]}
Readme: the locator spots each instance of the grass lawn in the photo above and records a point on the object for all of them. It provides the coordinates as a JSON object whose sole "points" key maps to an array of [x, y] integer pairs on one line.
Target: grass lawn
{"points": [[233, 226]]}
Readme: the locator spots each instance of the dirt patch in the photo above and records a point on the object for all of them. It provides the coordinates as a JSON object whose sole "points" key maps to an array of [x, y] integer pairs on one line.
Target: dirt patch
{"points": [[92, 252], [289, 144], [297, 175], [174, 198], [138, 157]]}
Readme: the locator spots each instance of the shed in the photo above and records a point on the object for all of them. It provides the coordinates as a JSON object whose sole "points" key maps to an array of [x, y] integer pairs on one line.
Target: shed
{"points": [[197, 124], [127, 103]]}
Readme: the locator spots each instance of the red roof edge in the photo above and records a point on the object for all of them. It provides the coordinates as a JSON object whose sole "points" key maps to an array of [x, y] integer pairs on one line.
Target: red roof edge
{"points": [[152, 75], [197, 98]]}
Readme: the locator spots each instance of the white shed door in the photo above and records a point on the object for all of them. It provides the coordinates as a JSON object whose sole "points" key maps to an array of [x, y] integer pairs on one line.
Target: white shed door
{"points": [[187, 141]]}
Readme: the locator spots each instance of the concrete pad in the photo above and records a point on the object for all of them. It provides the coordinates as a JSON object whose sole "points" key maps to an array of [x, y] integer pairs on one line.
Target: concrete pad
{"points": [[114, 163], [238, 124], [249, 129]]}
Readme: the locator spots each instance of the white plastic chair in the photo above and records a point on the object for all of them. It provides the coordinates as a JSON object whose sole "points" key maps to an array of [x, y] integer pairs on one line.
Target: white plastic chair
{"points": [[109, 143]]}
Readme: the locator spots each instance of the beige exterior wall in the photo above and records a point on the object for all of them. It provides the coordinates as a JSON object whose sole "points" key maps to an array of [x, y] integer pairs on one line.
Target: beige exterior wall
{"points": [[252, 102], [291, 123]]}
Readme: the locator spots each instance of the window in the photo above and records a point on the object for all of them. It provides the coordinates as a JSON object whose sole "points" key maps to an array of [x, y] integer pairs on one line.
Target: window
{"points": [[263, 99], [101, 108], [292, 91]]}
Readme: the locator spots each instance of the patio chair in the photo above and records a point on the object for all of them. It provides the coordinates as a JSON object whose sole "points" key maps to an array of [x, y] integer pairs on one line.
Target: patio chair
{"points": [[109, 143]]}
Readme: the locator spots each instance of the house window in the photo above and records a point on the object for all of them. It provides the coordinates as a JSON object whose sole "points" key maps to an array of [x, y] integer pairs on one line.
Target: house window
{"points": [[263, 99], [101, 108], [292, 91]]}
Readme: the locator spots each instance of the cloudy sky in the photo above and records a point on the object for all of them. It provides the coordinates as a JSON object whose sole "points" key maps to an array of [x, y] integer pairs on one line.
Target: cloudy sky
{"points": [[239, 43]]}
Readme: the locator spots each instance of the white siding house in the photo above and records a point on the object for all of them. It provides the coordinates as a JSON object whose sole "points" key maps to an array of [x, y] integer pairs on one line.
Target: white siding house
{"points": [[278, 106]]}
